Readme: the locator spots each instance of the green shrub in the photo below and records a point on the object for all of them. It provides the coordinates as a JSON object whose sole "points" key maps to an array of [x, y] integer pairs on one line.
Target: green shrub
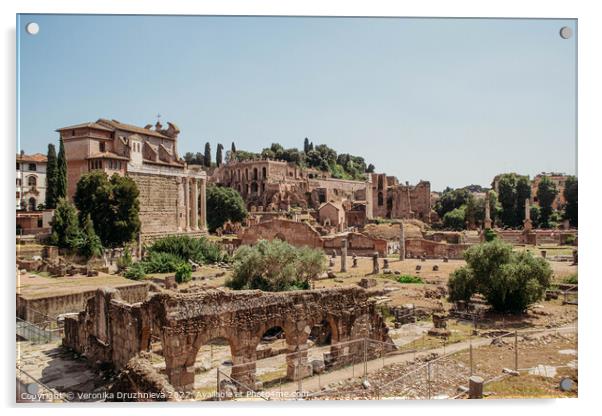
{"points": [[275, 266], [159, 262], [183, 273], [489, 234], [510, 281], [135, 272], [408, 278], [199, 250]]}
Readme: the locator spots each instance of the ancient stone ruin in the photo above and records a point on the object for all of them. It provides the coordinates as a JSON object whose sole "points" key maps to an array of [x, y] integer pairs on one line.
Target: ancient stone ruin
{"points": [[112, 331]]}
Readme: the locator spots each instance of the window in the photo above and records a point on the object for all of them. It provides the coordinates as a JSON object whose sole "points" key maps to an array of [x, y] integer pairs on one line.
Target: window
{"points": [[32, 181], [40, 223], [101, 146], [18, 166], [32, 204], [32, 167], [72, 132], [18, 181]]}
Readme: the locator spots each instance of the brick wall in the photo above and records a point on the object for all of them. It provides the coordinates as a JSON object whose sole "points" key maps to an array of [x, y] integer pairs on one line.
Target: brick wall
{"points": [[159, 197]]}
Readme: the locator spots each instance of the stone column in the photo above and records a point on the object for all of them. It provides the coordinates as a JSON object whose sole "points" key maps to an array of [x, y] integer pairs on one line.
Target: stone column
{"points": [[527, 224], [344, 256], [487, 213], [186, 202], [375, 266], [402, 243], [204, 204], [475, 387], [195, 205]]}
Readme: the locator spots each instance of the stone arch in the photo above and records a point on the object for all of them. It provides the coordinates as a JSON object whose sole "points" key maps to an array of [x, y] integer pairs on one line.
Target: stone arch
{"points": [[254, 187], [280, 237], [32, 204]]}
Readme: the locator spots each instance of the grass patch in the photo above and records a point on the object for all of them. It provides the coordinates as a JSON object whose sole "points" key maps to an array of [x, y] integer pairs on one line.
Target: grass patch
{"points": [[408, 278], [527, 386], [571, 279]]}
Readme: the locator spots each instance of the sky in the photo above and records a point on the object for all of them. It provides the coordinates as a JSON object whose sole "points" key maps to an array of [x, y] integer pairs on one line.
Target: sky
{"points": [[452, 101]]}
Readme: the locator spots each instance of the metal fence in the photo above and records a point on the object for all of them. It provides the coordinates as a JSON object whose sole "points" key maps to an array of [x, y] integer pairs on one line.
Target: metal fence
{"points": [[37, 333]]}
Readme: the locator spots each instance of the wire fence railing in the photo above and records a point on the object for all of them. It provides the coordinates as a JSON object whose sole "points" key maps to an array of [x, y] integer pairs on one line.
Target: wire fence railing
{"points": [[424, 368]]}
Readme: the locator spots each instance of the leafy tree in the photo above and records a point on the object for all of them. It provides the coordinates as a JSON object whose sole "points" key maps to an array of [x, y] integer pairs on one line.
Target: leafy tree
{"points": [[51, 177], [475, 210], [570, 196], [188, 157], [451, 199], [489, 234], [224, 204], [535, 215], [546, 193], [513, 191], [61, 173], [275, 266], [207, 158], [112, 205], [218, 154], [455, 219], [370, 168], [65, 227], [509, 281]]}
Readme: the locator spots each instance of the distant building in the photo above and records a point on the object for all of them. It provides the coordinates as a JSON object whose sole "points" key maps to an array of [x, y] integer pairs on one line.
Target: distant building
{"points": [[31, 181], [558, 179], [394, 200], [172, 194]]}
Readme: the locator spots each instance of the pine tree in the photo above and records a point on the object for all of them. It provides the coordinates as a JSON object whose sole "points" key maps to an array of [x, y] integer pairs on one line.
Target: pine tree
{"points": [[218, 155], [207, 160], [306, 145], [61, 173], [233, 148], [51, 172]]}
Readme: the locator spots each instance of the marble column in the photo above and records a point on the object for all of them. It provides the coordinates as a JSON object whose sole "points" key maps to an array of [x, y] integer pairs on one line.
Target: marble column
{"points": [[487, 212], [195, 205], [187, 202], [402, 243], [203, 204]]}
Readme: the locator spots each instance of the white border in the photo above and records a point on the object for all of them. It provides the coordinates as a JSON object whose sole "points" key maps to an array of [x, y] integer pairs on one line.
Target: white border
{"points": [[590, 68]]}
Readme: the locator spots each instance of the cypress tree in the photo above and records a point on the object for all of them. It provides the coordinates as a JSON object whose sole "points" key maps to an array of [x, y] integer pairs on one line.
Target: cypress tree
{"points": [[51, 172], [61, 173], [207, 160], [218, 155]]}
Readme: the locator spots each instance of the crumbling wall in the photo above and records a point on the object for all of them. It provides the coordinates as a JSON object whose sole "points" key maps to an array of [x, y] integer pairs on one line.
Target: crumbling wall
{"points": [[111, 331], [434, 249], [140, 382], [293, 232]]}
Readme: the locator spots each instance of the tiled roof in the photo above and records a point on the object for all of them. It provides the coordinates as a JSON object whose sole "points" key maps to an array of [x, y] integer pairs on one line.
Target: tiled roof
{"points": [[107, 155], [131, 128], [82, 125], [36, 157]]}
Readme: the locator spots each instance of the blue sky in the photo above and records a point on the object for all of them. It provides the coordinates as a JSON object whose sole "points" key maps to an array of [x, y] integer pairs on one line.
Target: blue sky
{"points": [[453, 101]]}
